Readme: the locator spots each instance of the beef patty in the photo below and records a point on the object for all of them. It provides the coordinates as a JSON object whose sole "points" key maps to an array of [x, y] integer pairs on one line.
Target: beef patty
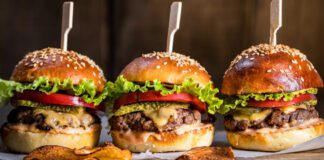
{"points": [[137, 121], [26, 115], [276, 119]]}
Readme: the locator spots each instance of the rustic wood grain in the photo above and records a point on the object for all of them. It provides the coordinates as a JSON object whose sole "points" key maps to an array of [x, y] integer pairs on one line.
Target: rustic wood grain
{"points": [[113, 32], [308, 155]]}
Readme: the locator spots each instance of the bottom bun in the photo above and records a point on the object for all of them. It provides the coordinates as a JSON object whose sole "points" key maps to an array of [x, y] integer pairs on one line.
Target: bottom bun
{"points": [[184, 138], [19, 139], [267, 139]]}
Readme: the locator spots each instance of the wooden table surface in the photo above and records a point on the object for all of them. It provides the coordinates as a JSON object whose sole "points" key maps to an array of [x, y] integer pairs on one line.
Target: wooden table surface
{"points": [[308, 155]]}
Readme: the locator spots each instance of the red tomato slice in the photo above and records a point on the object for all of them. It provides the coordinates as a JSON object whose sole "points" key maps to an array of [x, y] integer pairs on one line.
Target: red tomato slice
{"points": [[281, 103], [54, 98], [153, 96]]}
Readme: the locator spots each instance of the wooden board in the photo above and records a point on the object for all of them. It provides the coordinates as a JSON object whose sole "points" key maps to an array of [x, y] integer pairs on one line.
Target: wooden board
{"points": [[309, 155]]}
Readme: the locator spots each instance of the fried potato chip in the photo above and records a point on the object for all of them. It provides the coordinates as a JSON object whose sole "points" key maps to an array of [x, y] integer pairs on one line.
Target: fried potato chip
{"points": [[106, 152], [208, 153]]}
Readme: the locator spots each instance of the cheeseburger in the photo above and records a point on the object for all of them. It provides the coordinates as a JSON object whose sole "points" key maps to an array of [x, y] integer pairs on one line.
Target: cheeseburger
{"points": [[159, 101], [54, 93], [271, 90]]}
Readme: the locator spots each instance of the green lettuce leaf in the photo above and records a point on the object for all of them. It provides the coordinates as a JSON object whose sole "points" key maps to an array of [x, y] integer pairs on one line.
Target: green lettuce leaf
{"points": [[241, 100], [6, 91], [205, 94], [86, 89]]}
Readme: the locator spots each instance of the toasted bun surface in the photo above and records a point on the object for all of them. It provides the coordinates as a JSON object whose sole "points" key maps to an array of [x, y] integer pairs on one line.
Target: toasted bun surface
{"points": [[276, 140], [171, 68], [54, 63], [23, 141], [270, 69], [164, 141]]}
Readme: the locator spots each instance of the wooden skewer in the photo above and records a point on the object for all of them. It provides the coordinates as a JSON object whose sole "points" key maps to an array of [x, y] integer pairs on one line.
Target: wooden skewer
{"points": [[275, 20], [174, 24], [67, 21]]}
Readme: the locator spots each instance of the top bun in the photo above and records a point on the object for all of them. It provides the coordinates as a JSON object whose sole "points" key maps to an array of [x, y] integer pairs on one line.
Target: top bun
{"points": [[170, 68], [54, 63], [269, 69]]}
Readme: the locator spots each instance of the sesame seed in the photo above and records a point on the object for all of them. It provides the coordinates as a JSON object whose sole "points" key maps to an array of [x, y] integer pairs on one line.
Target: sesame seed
{"points": [[302, 79], [75, 67], [290, 67], [165, 63], [269, 70], [68, 65], [158, 67], [181, 60]]}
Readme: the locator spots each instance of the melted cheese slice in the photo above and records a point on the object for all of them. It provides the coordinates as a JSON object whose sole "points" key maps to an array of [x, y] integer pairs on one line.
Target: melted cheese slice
{"points": [[260, 116], [161, 116], [57, 119], [289, 109], [253, 117]]}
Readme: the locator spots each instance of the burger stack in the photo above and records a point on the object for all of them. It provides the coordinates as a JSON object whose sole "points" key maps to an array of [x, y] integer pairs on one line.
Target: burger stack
{"points": [[55, 94], [159, 102], [271, 91]]}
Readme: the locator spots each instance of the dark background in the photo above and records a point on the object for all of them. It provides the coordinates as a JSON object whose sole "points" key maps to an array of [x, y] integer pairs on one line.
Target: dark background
{"points": [[113, 32]]}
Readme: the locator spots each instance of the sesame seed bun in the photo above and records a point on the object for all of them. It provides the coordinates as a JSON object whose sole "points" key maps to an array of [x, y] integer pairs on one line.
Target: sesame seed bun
{"points": [[22, 139], [270, 69], [170, 68], [54, 63], [276, 139], [199, 136]]}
